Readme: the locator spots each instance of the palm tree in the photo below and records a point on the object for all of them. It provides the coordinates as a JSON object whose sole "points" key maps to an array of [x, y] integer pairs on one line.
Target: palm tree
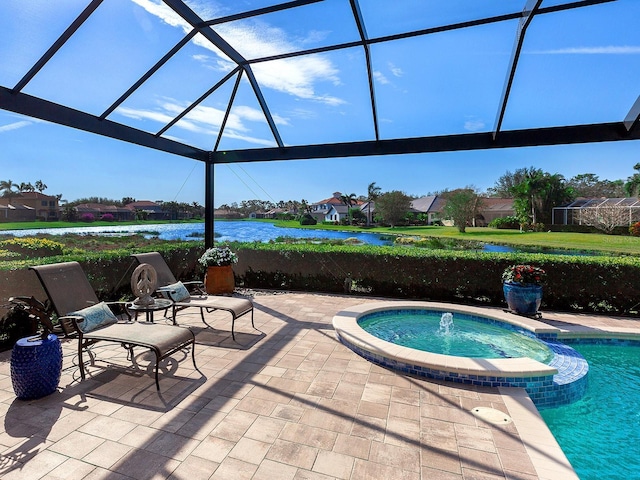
{"points": [[8, 189], [373, 192], [26, 187], [41, 187], [349, 201]]}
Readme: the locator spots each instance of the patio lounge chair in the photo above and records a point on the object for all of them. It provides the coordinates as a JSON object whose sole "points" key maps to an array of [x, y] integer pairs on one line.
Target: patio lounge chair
{"points": [[182, 298], [81, 314]]}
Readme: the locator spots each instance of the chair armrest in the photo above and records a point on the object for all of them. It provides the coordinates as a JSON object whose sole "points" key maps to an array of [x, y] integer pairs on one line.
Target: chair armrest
{"points": [[69, 324], [196, 286]]}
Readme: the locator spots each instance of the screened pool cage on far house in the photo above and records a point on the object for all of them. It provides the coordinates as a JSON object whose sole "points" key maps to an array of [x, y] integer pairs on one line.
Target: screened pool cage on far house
{"points": [[598, 211]]}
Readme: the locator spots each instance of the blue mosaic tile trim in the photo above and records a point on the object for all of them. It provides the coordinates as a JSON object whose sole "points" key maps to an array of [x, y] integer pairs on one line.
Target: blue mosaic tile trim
{"points": [[623, 342], [548, 391]]}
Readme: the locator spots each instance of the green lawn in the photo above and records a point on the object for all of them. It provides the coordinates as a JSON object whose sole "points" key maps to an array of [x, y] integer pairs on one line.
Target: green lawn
{"points": [[552, 240]]}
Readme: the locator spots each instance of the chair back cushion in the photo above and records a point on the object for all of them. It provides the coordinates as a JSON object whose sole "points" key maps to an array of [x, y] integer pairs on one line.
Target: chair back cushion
{"points": [[176, 292], [95, 316]]}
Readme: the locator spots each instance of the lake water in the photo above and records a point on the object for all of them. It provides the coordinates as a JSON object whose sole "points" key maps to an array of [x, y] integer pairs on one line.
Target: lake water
{"points": [[240, 231], [224, 231]]}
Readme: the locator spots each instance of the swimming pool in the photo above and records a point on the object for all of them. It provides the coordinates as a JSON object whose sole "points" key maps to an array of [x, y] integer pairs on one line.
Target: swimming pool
{"points": [[560, 381], [459, 335], [600, 433]]}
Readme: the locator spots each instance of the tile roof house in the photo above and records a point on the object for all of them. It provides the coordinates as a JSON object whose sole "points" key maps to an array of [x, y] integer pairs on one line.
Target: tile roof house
{"points": [[330, 209], [45, 206], [430, 205], [98, 210], [152, 210], [490, 209]]}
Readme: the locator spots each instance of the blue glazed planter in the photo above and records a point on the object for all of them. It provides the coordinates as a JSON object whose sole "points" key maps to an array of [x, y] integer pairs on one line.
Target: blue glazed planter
{"points": [[523, 299], [36, 366]]}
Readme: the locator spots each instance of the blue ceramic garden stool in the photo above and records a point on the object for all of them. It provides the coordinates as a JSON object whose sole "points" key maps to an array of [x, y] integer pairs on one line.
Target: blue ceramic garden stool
{"points": [[36, 365], [523, 299]]}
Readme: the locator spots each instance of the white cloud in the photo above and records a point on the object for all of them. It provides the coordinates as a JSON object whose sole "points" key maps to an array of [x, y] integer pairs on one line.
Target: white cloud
{"points": [[14, 126], [474, 124], [205, 120], [296, 76], [379, 76], [165, 13], [603, 50], [396, 71]]}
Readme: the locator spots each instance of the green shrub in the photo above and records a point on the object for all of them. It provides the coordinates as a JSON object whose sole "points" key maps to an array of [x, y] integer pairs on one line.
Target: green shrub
{"points": [[505, 223], [573, 283], [307, 219]]}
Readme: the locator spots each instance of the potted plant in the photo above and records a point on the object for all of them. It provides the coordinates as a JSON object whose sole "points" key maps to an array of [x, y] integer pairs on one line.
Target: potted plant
{"points": [[522, 287], [219, 274]]}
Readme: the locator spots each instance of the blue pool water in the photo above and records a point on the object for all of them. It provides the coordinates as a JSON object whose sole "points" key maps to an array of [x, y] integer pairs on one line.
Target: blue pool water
{"points": [[600, 433], [465, 336]]}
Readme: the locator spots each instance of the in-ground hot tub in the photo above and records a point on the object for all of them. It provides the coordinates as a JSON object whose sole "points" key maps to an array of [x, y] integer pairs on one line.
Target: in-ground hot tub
{"points": [[559, 380]]}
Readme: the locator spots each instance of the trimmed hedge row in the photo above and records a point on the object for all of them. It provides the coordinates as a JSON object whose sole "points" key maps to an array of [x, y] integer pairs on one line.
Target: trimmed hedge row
{"points": [[574, 283]]}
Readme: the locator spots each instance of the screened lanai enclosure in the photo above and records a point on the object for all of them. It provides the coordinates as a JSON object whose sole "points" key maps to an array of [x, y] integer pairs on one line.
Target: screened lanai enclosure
{"points": [[604, 212], [263, 80]]}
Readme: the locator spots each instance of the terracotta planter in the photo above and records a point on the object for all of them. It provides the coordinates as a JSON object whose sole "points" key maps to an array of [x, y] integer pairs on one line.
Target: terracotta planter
{"points": [[219, 280]]}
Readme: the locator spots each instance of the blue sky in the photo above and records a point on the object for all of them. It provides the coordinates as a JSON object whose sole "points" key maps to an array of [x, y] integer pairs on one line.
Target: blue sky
{"points": [[576, 67]]}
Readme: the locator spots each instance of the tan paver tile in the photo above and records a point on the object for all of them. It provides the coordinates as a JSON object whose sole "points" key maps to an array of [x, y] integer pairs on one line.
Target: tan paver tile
{"points": [[308, 435], [143, 465], [395, 456], [107, 454], [288, 412], [291, 453], [369, 427], [435, 474], [354, 446], [76, 444], [249, 450], [270, 470], [234, 469], [375, 471], [104, 474], [71, 469], [265, 429], [516, 461], [475, 437], [334, 464], [441, 459], [308, 475], [41, 464], [479, 460], [214, 449], [172, 445], [139, 416], [194, 468], [108, 428], [140, 435]]}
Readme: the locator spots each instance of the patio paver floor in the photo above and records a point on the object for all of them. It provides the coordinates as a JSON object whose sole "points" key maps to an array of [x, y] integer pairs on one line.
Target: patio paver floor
{"points": [[287, 401]]}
